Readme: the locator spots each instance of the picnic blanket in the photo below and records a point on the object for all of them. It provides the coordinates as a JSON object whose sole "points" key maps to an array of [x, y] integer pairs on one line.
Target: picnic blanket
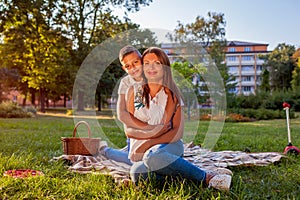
{"points": [[203, 158]]}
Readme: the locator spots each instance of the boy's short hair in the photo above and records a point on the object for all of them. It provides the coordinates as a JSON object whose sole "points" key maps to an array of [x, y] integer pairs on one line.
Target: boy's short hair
{"points": [[127, 50]]}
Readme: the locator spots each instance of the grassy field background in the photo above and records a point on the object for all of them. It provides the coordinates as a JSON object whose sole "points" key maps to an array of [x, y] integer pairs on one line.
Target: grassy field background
{"points": [[30, 143]]}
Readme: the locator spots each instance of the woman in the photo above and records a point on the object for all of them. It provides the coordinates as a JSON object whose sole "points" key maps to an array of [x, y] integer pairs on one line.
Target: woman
{"points": [[131, 61], [155, 104]]}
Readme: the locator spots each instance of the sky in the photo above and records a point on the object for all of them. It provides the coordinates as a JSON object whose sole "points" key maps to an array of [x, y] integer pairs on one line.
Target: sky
{"points": [[262, 21]]}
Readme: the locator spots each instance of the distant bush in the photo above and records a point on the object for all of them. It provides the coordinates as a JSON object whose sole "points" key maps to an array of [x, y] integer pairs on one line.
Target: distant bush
{"points": [[30, 109], [70, 112], [265, 100], [9, 109], [233, 117], [247, 115], [262, 114]]}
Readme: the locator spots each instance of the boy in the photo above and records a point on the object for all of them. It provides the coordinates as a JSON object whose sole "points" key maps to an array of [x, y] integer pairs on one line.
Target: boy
{"points": [[130, 58]]}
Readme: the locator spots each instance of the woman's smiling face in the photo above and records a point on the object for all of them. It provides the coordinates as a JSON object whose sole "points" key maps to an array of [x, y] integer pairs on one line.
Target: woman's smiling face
{"points": [[153, 68]]}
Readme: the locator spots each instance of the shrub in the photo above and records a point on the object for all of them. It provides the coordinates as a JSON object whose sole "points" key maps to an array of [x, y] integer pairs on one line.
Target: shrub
{"points": [[262, 114], [30, 109], [70, 112], [9, 109], [233, 117], [265, 100]]}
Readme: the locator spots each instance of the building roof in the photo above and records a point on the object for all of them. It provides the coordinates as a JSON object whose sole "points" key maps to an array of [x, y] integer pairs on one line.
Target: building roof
{"points": [[242, 43], [229, 43]]}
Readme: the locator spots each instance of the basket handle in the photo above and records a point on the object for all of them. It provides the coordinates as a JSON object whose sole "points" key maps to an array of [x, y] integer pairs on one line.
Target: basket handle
{"points": [[86, 124]]}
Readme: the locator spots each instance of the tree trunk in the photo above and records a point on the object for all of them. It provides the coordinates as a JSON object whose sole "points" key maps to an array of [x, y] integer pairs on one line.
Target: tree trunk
{"points": [[65, 100], [99, 101], [32, 97], [42, 100], [24, 100], [80, 106], [47, 102]]}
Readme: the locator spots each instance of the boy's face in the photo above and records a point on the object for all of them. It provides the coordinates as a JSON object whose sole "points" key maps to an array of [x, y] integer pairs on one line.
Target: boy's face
{"points": [[132, 64]]}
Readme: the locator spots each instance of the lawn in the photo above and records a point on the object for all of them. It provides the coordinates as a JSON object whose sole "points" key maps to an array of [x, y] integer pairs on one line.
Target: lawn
{"points": [[31, 143]]}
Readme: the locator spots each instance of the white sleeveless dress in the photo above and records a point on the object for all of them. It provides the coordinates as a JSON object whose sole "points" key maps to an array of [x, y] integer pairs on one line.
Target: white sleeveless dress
{"points": [[152, 115]]}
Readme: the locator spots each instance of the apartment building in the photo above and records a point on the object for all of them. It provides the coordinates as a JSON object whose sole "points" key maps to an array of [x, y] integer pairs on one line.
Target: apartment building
{"points": [[242, 60]]}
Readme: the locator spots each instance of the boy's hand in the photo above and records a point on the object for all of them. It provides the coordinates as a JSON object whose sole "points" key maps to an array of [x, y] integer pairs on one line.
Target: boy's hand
{"points": [[138, 153], [146, 134]]}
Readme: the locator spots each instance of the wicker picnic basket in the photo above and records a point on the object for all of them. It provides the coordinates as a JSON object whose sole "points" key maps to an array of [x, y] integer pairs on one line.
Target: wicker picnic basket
{"points": [[80, 146]]}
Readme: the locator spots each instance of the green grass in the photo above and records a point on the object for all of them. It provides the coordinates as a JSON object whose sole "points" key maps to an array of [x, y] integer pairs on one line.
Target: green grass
{"points": [[32, 142]]}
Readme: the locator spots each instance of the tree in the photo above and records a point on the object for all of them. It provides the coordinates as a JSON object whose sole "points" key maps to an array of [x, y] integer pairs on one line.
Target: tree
{"points": [[33, 47], [46, 41], [280, 65], [265, 83], [208, 33], [184, 73], [202, 30], [82, 21], [296, 72]]}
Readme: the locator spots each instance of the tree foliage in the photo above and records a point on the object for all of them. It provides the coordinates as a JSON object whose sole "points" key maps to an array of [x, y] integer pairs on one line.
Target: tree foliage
{"points": [[209, 33], [202, 30], [296, 72], [46, 41], [184, 74], [280, 65], [31, 46]]}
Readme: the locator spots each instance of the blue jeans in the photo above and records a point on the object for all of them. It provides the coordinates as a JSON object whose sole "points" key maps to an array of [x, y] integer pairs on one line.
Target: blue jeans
{"points": [[165, 161], [118, 155]]}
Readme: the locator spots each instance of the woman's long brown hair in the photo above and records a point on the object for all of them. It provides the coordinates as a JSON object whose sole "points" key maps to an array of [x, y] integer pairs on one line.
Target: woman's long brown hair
{"points": [[168, 81]]}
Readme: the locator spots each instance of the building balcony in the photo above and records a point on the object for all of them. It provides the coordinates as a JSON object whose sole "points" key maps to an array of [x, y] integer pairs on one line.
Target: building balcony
{"points": [[247, 73], [259, 62], [233, 73], [232, 63], [248, 93], [247, 83], [247, 62]]}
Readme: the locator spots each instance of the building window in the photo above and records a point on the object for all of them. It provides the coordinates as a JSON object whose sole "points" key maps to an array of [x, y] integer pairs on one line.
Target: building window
{"points": [[231, 58], [247, 58], [246, 78], [258, 78], [233, 69], [231, 49], [247, 49], [247, 68], [259, 59], [258, 68], [247, 88], [232, 89]]}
